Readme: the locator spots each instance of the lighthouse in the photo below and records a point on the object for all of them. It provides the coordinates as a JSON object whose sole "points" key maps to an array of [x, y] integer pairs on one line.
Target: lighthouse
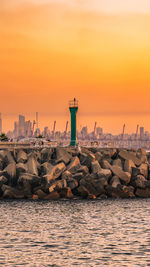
{"points": [[73, 107]]}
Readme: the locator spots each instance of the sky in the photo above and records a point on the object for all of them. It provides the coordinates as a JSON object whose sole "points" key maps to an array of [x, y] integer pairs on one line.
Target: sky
{"points": [[95, 50]]}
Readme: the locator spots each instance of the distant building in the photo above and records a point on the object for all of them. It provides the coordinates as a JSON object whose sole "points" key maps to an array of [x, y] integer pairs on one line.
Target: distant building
{"points": [[99, 131], [0, 123], [28, 128], [21, 125], [16, 129], [141, 132]]}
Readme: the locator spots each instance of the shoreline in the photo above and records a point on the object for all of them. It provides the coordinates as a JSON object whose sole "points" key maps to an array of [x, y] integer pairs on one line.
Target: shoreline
{"points": [[74, 173]]}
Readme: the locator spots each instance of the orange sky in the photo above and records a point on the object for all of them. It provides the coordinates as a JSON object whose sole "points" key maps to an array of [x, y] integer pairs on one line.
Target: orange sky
{"points": [[51, 51]]}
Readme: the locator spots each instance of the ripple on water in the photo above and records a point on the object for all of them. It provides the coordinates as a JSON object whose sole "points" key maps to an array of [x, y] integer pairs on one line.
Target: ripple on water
{"points": [[75, 233]]}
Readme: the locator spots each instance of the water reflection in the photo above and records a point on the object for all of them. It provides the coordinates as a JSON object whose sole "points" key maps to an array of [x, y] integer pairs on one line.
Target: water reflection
{"points": [[70, 233]]}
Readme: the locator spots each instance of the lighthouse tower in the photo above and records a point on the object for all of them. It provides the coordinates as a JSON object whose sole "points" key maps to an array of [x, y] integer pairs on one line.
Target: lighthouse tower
{"points": [[73, 107]]}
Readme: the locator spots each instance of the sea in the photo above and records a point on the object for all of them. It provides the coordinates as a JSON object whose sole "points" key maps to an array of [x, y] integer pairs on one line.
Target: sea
{"points": [[98, 232]]}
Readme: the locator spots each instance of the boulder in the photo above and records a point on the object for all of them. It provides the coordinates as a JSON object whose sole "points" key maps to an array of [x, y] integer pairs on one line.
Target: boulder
{"points": [[121, 191], [66, 175], [66, 193], [83, 169], [29, 178], [32, 165], [117, 162], [144, 169], [87, 159], [105, 164], [94, 186], [104, 173], [95, 166], [84, 193], [21, 156], [139, 181], [45, 168], [41, 194], [12, 193], [21, 168], [62, 155], [144, 193], [74, 165], [53, 196], [115, 181], [124, 176], [10, 172], [55, 172], [3, 180], [98, 156], [46, 154], [128, 165], [1, 164], [58, 185], [78, 176], [7, 157], [141, 154], [124, 154], [72, 183]]}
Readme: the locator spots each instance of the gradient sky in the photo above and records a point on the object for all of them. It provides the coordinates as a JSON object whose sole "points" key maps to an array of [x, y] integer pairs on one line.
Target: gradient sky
{"points": [[95, 50]]}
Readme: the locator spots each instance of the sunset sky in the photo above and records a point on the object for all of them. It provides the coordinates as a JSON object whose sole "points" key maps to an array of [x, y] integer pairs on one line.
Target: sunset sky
{"points": [[95, 50]]}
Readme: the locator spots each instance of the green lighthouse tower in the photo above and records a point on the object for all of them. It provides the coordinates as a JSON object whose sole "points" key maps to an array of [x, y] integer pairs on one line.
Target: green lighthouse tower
{"points": [[73, 107]]}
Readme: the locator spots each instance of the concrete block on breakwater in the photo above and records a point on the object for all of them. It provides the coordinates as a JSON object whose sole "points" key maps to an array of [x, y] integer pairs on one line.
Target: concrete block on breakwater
{"points": [[56, 173]]}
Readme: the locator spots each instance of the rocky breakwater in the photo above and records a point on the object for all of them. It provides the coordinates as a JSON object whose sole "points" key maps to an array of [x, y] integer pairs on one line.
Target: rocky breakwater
{"points": [[54, 173]]}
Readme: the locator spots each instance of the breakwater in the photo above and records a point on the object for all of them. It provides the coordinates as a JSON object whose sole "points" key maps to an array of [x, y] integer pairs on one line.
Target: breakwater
{"points": [[54, 173]]}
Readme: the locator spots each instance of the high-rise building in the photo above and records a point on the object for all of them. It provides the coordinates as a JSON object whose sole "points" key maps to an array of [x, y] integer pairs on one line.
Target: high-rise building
{"points": [[16, 129], [21, 125], [28, 128], [0, 123], [37, 120], [141, 132]]}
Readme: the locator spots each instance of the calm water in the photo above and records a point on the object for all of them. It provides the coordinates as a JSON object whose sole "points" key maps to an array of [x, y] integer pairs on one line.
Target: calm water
{"points": [[75, 233]]}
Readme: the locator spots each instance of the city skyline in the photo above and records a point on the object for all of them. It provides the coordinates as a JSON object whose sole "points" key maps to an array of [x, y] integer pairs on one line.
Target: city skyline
{"points": [[81, 122]]}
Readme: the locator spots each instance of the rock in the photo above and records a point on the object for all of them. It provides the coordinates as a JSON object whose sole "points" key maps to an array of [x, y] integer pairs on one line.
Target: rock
{"points": [[62, 155], [58, 185], [45, 168], [78, 176], [130, 156], [21, 157], [144, 169], [12, 193], [124, 176], [74, 165], [72, 183], [1, 164], [29, 178], [55, 172], [66, 175], [95, 166], [135, 171], [98, 156], [10, 172], [106, 165], [128, 165], [104, 173], [117, 162], [139, 181], [32, 166], [121, 191], [46, 154], [115, 181], [53, 196], [3, 180], [94, 186], [40, 194], [66, 193], [7, 157], [145, 193], [21, 168], [83, 169], [87, 159], [141, 154], [84, 193]]}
